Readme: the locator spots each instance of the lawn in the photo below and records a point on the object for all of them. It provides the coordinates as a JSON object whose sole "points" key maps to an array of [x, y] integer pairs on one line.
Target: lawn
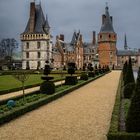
{"points": [[9, 82]]}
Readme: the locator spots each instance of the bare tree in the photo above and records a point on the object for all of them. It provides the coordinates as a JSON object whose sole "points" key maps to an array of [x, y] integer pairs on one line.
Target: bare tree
{"points": [[22, 77], [7, 47]]}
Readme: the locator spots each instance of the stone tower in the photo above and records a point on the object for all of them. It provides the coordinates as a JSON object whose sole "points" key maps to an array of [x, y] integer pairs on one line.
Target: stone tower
{"points": [[107, 41], [36, 39]]}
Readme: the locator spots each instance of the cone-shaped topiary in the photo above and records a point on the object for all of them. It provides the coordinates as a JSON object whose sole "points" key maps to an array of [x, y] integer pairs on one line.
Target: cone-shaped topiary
{"points": [[125, 69], [129, 78], [133, 118]]}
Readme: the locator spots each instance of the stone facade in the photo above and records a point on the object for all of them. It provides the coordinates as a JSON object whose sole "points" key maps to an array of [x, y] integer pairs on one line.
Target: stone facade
{"points": [[36, 40], [73, 51]]}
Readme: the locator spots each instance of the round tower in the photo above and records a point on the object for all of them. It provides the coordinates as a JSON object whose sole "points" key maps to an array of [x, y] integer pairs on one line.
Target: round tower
{"points": [[107, 41]]}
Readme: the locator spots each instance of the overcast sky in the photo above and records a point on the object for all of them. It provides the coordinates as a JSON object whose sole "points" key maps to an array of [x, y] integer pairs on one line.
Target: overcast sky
{"points": [[65, 16]]}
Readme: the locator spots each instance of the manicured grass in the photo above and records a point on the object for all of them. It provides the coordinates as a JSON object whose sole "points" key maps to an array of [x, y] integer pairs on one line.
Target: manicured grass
{"points": [[9, 82]]}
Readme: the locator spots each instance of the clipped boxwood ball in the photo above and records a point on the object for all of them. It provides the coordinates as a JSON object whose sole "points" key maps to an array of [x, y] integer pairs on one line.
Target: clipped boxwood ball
{"points": [[47, 87], [11, 103]]}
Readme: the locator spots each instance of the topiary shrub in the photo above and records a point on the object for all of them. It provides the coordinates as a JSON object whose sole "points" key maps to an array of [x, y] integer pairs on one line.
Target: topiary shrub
{"points": [[71, 80], [133, 117], [47, 87], [128, 90], [91, 74], [71, 70], [84, 76], [129, 77]]}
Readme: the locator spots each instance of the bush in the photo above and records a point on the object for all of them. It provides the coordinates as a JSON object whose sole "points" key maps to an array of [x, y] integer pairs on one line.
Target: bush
{"points": [[47, 87], [128, 90], [84, 76], [133, 118], [71, 80], [129, 77], [91, 74]]}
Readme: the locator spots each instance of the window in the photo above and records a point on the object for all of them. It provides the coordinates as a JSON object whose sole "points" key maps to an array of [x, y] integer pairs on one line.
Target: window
{"points": [[27, 65], [38, 55], [100, 36], [38, 45], [38, 65], [27, 45], [27, 55], [109, 36]]}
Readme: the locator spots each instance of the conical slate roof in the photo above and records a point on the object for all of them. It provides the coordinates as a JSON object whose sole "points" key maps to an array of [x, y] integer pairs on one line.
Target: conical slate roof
{"points": [[41, 24], [107, 23]]}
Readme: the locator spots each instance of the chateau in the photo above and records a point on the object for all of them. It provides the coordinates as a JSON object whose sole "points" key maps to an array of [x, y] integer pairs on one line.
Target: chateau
{"points": [[37, 46], [36, 40]]}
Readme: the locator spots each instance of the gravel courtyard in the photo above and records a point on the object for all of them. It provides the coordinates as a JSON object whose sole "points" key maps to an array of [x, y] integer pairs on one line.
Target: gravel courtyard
{"points": [[84, 114]]}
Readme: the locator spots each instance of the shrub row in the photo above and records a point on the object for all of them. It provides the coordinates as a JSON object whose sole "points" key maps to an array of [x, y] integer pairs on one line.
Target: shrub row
{"points": [[114, 133], [35, 104], [2, 92]]}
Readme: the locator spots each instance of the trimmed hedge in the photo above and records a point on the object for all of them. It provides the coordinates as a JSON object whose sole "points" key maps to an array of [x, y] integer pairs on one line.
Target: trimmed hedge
{"points": [[16, 112], [26, 87], [114, 133], [71, 80]]}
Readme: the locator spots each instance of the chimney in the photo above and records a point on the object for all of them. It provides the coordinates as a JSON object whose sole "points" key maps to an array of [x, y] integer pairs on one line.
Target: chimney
{"points": [[103, 19], [62, 37], [32, 16], [94, 38]]}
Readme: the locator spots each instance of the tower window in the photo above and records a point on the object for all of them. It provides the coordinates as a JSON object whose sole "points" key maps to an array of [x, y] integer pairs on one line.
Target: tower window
{"points": [[109, 36], [27, 55], [100, 36], [27, 45], [38, 55], [38, 45]]}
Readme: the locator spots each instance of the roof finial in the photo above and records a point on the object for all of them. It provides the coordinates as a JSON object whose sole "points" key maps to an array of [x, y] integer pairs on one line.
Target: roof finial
{"points": [[106, 6]]}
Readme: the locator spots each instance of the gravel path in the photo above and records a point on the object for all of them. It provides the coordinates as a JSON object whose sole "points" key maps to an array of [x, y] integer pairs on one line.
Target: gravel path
{"points": [[84, 114]]}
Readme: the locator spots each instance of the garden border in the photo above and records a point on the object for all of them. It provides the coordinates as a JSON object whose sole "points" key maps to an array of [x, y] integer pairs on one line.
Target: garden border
{"points": [[36, 104], [114, 133]]}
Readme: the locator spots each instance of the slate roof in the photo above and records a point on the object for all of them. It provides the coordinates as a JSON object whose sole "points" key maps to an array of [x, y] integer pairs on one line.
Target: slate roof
{"points": [[41, 24], [127, 53], [107, 25], [75, 38], [88, 47]]}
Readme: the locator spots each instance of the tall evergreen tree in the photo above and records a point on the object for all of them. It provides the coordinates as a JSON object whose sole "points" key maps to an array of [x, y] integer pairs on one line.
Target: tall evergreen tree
{"points": [[124, 69], [133, 118], [129, 78]]}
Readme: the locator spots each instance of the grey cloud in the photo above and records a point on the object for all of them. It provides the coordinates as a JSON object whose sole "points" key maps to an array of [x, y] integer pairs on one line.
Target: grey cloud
{"points": [[66, 16]]}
